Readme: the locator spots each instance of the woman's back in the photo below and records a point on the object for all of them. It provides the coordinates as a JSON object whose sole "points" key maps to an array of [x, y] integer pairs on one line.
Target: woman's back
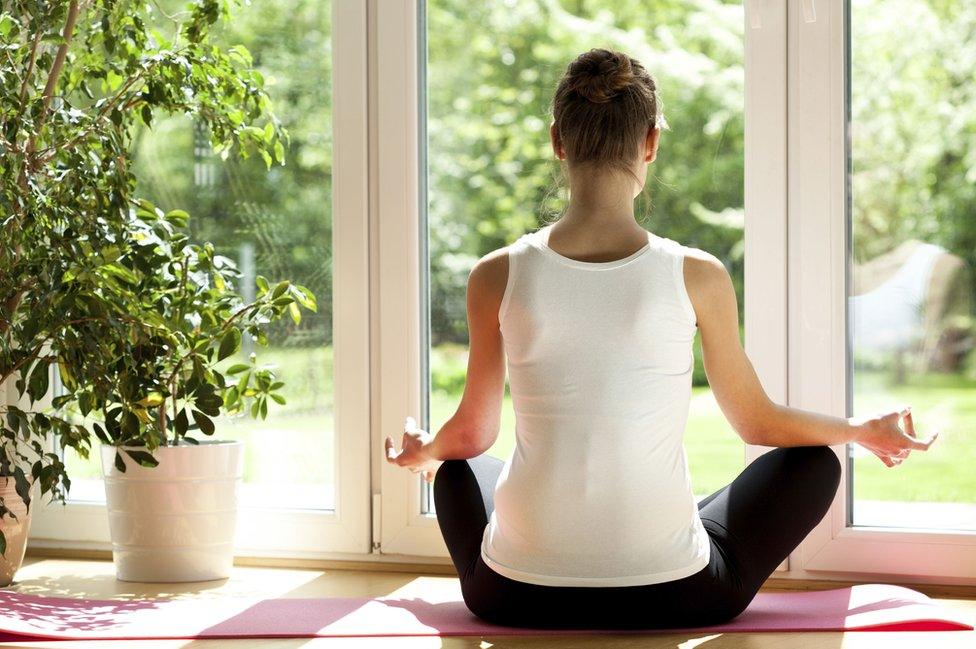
{"points": [[597, 491]]}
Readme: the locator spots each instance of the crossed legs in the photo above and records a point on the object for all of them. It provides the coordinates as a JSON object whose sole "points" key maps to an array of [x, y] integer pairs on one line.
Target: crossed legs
{"points": [[754, 522]]}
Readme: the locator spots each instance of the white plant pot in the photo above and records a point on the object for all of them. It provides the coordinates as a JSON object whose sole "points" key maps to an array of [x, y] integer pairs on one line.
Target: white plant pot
{"points": [[14, 530], [174, 522]]}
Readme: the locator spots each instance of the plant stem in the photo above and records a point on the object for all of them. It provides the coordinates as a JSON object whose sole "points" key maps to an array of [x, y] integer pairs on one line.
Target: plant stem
{"points": [[27, 164], [52, 79]]}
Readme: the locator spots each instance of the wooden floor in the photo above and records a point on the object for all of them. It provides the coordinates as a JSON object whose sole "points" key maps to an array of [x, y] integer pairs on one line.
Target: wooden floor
{"points": [[69, 578]]}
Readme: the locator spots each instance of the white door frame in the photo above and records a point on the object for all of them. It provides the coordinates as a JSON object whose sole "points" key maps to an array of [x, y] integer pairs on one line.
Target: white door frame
{"points": [[818, 359], [304, 533], [403, 528]]}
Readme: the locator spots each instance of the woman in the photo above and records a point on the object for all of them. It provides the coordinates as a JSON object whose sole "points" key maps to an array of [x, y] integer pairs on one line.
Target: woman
{"points": [[591, 521]]}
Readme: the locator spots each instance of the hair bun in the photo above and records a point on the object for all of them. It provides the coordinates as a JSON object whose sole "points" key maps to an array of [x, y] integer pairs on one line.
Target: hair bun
{"points": [[600, 74]]}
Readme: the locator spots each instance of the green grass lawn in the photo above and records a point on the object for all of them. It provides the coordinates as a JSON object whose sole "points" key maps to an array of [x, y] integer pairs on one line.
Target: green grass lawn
{"points": [[295, 444]]}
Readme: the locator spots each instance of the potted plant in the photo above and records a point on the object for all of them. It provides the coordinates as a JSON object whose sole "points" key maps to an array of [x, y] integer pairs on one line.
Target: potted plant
{"points": [[81, 75], [172, 495]]}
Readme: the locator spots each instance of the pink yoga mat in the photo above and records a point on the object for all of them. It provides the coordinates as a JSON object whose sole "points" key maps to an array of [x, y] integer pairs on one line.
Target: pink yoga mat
{"points": [[868, 607]]}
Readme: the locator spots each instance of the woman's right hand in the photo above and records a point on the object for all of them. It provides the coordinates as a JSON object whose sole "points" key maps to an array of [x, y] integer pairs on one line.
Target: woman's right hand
{"points": [[883, 436]]}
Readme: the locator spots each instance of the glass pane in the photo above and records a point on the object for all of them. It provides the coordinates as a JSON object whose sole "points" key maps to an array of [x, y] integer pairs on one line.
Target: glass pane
{"points": [[914, 247], [275, 223], [491, 69]]}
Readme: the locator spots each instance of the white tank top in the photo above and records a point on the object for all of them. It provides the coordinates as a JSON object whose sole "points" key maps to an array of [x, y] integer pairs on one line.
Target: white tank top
{"points": [[596, 491]]}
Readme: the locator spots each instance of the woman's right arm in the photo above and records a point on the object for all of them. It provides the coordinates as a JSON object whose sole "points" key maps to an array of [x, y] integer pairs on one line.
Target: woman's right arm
{"points": [[740, 395]]}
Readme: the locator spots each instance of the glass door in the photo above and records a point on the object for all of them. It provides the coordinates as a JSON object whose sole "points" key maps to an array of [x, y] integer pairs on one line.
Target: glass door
{"points": [[461, 101], [489, 72]]}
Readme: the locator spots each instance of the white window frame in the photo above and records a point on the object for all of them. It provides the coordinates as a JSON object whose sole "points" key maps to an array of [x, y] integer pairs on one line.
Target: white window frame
{"points": [[818, 267], [344, 532]]}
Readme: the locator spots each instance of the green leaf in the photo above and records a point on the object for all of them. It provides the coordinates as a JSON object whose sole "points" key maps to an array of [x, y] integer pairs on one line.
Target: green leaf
{"points": [[238, 368], [121, 272], [304, 296], [229, 344], [119, 462], [38, 383], [278, 398], [210, 404], [3, 543], [130, 423], [181, 424], [22, 485], [204, 422], [296, 315], [143, 458], [100, 434], [280, 289], [177, 217], [151, 400], [241, 53]]}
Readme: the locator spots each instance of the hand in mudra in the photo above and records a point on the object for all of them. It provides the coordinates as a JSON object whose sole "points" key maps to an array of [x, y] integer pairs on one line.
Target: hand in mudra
{"points": [[413, 452], [884, 436]]}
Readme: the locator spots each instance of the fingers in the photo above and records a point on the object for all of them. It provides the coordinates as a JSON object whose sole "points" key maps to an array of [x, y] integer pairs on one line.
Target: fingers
{"points": [[887, 459], [919, 444], [888, 462], [391, 454], [409, 425], [909, 424]]}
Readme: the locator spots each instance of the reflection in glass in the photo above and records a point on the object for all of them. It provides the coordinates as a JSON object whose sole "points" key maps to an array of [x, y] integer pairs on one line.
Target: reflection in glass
{"points": [[914, 246], [491, 70]]}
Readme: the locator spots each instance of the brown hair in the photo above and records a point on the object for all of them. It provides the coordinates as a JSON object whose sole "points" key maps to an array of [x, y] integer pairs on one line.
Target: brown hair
{"points": [[603, 107]]}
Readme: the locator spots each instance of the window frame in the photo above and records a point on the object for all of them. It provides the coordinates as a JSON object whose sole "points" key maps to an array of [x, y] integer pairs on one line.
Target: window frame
{"points": [[313, 534]]}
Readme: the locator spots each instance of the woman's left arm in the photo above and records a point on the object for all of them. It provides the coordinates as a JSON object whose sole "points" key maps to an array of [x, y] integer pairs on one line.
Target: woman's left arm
{"points": [[474, 426]]}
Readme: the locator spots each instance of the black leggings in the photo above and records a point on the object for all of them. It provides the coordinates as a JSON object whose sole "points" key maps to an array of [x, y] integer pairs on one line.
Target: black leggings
{"points": [[754, 523]]}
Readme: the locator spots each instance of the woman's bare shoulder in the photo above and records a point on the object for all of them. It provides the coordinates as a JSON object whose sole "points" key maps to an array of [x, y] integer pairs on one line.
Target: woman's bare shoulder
{"points": [[489, 275], [705, 275]]}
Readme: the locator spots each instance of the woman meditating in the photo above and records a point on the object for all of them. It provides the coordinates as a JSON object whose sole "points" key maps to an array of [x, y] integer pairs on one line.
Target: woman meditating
{"points": [[591, 522]]}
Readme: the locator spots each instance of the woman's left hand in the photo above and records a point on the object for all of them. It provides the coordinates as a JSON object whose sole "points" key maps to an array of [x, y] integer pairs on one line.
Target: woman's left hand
{"points": [[413, 453]]}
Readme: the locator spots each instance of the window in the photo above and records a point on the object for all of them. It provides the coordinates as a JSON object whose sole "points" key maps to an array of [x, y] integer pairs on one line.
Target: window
{"points": [[306, 473], [490, 70], [273, 222]]}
